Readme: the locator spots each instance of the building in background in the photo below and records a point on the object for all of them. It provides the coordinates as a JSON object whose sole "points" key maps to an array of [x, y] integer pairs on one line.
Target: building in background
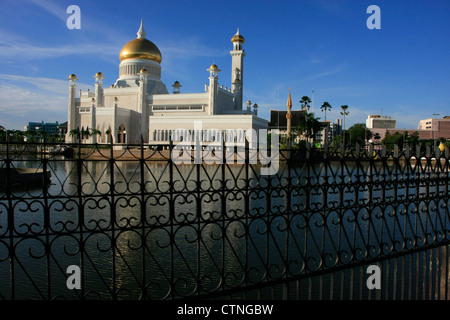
{"points": [[380, 122], [325, 134], [380, 125], [434, 128], [427, 129], [50, 129], [335, 129], [278, 122]]}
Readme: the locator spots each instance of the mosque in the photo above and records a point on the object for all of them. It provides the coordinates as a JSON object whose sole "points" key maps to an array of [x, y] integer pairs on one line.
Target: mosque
{"points": [[139, 103]]}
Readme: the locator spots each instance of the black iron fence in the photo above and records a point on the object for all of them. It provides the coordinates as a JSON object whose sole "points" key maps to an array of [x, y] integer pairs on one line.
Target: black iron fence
{"points": [[134, 222]]}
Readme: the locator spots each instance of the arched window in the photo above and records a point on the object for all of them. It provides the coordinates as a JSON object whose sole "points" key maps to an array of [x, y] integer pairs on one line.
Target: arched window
{"points": [[122, 134]]}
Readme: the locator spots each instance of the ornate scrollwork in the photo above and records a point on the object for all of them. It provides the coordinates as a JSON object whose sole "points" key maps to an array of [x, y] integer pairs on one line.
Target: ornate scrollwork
{"points": [[142, 226]]}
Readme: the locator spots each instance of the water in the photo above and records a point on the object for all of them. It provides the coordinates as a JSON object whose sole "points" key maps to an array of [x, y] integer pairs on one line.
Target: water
{"points": [[256, 229]]}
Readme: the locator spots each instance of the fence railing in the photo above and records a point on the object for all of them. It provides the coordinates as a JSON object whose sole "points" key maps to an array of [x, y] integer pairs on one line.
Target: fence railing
{"points": [[132, 222]]}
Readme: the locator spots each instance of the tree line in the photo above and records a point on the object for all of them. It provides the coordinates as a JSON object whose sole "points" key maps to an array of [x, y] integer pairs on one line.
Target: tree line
{"points": [[309, 126]]}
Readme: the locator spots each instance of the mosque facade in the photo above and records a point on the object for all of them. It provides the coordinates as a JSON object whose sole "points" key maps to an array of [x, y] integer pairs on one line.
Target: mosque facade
{"points": [[139, 104]]}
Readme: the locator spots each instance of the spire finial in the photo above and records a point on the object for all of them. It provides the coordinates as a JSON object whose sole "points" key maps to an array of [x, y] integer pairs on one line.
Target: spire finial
{"points": [[289, 102], [141, 32]]}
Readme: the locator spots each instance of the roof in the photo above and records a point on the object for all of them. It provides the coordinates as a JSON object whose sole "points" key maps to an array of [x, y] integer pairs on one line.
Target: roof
{"points": [[278, 118]]}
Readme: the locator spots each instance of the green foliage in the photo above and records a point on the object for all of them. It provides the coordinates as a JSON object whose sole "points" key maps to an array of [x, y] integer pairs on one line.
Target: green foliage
{"points": [[358, 133], [14, 136], [401, 140]]}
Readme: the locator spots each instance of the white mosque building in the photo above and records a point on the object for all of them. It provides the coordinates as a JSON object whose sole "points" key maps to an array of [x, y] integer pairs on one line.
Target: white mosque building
{"points": [[139, 104]]}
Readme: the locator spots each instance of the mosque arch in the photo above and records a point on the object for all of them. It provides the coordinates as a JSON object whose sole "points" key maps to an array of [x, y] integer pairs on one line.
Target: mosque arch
{"points": [[122, 134]]}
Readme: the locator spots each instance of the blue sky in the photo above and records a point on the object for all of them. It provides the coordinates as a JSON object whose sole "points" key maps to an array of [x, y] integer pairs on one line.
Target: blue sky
{"points": [[401, 70]]}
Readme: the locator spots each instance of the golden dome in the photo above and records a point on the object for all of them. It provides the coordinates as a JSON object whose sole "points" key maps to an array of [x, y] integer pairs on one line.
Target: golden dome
{"points": [[99, 74], [214, 66], [238, 37], [72, 76], [141, 48], [143, 70]]}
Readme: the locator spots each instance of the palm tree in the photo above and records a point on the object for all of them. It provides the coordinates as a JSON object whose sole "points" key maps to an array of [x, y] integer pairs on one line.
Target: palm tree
{"points": [[85, 133], [75, 132], [94, 132], [326, 106], [344, 112], [305, 101], [312, 126], [108, 134]]}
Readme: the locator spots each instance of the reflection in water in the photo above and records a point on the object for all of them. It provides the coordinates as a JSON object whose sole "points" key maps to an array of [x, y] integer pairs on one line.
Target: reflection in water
{"points": [[213, 228]]}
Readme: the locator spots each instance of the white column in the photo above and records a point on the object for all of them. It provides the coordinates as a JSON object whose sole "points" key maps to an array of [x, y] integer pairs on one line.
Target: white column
{"points": [[72, 116], [142, 104]]}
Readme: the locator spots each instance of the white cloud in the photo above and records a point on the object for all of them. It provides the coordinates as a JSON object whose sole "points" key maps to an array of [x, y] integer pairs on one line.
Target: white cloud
{"points": [[51, 86], [324, 73], [24, 99], [53, 8], [14, 47]]}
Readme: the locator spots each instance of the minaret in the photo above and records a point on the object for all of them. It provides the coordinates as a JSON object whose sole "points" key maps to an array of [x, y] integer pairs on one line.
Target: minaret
{"points": [[289, 115], [176, 87], [142, 104], [72, 115], [93, 125], [98, 89], [213, 88], [237, 69], [114, 121]]}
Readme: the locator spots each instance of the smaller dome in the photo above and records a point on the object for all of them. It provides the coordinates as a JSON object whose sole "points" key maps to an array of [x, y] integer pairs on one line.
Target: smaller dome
{"points": [[143, 70], [214, 66], [72, 76], [99, 74], [176, 82], [238, 37]]}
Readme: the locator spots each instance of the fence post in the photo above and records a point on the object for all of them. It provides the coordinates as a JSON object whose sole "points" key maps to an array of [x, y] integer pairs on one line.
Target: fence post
{"points": [[171, 217], [46, 213], [143, 218], [113, 217], [80, 214], [11, 225]]}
